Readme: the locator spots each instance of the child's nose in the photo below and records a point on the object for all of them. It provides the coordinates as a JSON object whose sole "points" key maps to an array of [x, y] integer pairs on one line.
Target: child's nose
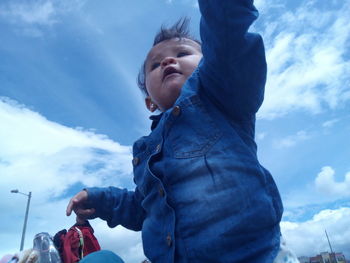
{"points": [[167, 61]]}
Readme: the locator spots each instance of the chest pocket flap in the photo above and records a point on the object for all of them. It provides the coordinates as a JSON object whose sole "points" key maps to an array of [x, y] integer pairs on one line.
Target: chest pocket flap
{"points": [[193, 131]]}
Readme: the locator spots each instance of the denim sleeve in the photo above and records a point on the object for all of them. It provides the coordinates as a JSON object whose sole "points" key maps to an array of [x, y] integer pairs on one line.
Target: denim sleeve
{"points": [[117, 206], [233, 68]]}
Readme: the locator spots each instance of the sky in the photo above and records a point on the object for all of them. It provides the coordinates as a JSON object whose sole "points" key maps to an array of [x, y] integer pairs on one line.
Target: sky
{"points": [[70, 111]]}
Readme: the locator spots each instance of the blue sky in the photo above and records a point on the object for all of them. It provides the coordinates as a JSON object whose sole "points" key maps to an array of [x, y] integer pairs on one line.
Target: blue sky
{"points": [[70, 111]]}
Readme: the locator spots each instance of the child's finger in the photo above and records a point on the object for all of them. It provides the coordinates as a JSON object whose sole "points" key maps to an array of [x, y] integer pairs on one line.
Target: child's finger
{"points": [[69, 207], [78, 198], [72, 203]]}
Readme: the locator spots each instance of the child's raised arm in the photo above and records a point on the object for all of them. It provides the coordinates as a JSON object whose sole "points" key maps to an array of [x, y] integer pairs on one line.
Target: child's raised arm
{"points": [[233, 71]]}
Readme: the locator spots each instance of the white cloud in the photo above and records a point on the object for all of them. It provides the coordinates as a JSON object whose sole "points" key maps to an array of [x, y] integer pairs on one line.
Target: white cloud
{"points": [[266, 6], [330, 123], [29, 16], [308, 238], [260, 4], [55, 154], [307, 61], [260, 136], [127, 244], [192, 3], [48, 158], [292, 140], [195, 4], [39, 12], [323, 189], [325, 183]]}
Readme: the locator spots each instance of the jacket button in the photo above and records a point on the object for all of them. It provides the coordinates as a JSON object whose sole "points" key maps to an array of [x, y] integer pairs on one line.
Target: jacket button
{"points": [[168, 240], [161, 191], [135, 161], [176, 111]]}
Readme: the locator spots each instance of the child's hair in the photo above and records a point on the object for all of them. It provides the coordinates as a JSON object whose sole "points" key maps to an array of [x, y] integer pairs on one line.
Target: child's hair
{"points": [[178, 30]]}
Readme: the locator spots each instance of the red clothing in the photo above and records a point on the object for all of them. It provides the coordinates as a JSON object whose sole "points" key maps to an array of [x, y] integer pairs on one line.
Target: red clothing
{"points": [[75, 244]]}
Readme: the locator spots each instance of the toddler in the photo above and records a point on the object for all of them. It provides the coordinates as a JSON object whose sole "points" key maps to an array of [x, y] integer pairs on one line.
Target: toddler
{"points": [[201, 194]]}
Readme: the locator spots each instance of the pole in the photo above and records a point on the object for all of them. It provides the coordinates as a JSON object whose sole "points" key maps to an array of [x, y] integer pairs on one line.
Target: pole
{"points": [[25, 221], [329, 243], [330, 246]]}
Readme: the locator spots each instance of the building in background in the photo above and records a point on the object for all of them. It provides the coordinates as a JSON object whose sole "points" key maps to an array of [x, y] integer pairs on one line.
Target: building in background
{"points": [[304, 259], [324, 257]]}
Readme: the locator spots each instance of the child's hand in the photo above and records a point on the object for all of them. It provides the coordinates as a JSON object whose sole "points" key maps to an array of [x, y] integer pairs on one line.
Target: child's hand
{"points": [[77, 204]]}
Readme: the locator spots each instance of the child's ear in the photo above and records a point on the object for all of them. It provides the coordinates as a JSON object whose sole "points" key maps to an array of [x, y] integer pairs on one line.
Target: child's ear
{"points": [[150, 104]]}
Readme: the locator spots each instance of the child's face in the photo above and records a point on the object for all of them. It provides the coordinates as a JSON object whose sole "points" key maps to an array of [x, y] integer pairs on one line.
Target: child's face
{"points": [[168, 65]]}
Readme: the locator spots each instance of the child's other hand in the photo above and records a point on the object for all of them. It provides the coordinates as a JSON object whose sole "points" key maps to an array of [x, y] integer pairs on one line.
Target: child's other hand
{"points": [[77, 204]]}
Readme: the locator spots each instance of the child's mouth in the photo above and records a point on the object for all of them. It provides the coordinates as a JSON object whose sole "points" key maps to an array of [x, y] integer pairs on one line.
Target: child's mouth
{"points": [[169, 72]]}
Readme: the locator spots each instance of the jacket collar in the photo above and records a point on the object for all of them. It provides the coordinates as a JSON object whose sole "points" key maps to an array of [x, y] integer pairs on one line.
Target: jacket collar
{"points": [[155, 120]]}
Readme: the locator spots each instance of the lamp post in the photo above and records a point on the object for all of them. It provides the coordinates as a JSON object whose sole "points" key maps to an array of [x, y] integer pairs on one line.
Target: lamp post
{"points": [[26, 216]]}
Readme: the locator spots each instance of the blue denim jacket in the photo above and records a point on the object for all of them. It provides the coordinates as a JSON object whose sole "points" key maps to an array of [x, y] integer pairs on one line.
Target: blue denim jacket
{"points": [[201, 194]]}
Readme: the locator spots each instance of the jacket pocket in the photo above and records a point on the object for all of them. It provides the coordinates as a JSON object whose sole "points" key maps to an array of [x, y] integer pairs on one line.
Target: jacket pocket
{"points": [[193, 131]]}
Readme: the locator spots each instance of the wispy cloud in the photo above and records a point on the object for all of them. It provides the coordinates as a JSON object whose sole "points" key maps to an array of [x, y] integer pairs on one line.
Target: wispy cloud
{"points": [[30, 16], [330, 123], [292, 140], [195, 4], [266, 6], [309, 67], [41, 12], [30, 12], [308, 238], [192, 3], [260, 136]]}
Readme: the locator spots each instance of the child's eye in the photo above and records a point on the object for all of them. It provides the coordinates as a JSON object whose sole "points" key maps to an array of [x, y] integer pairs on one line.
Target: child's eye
{"points": [[182, 54], [155, 65]]}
